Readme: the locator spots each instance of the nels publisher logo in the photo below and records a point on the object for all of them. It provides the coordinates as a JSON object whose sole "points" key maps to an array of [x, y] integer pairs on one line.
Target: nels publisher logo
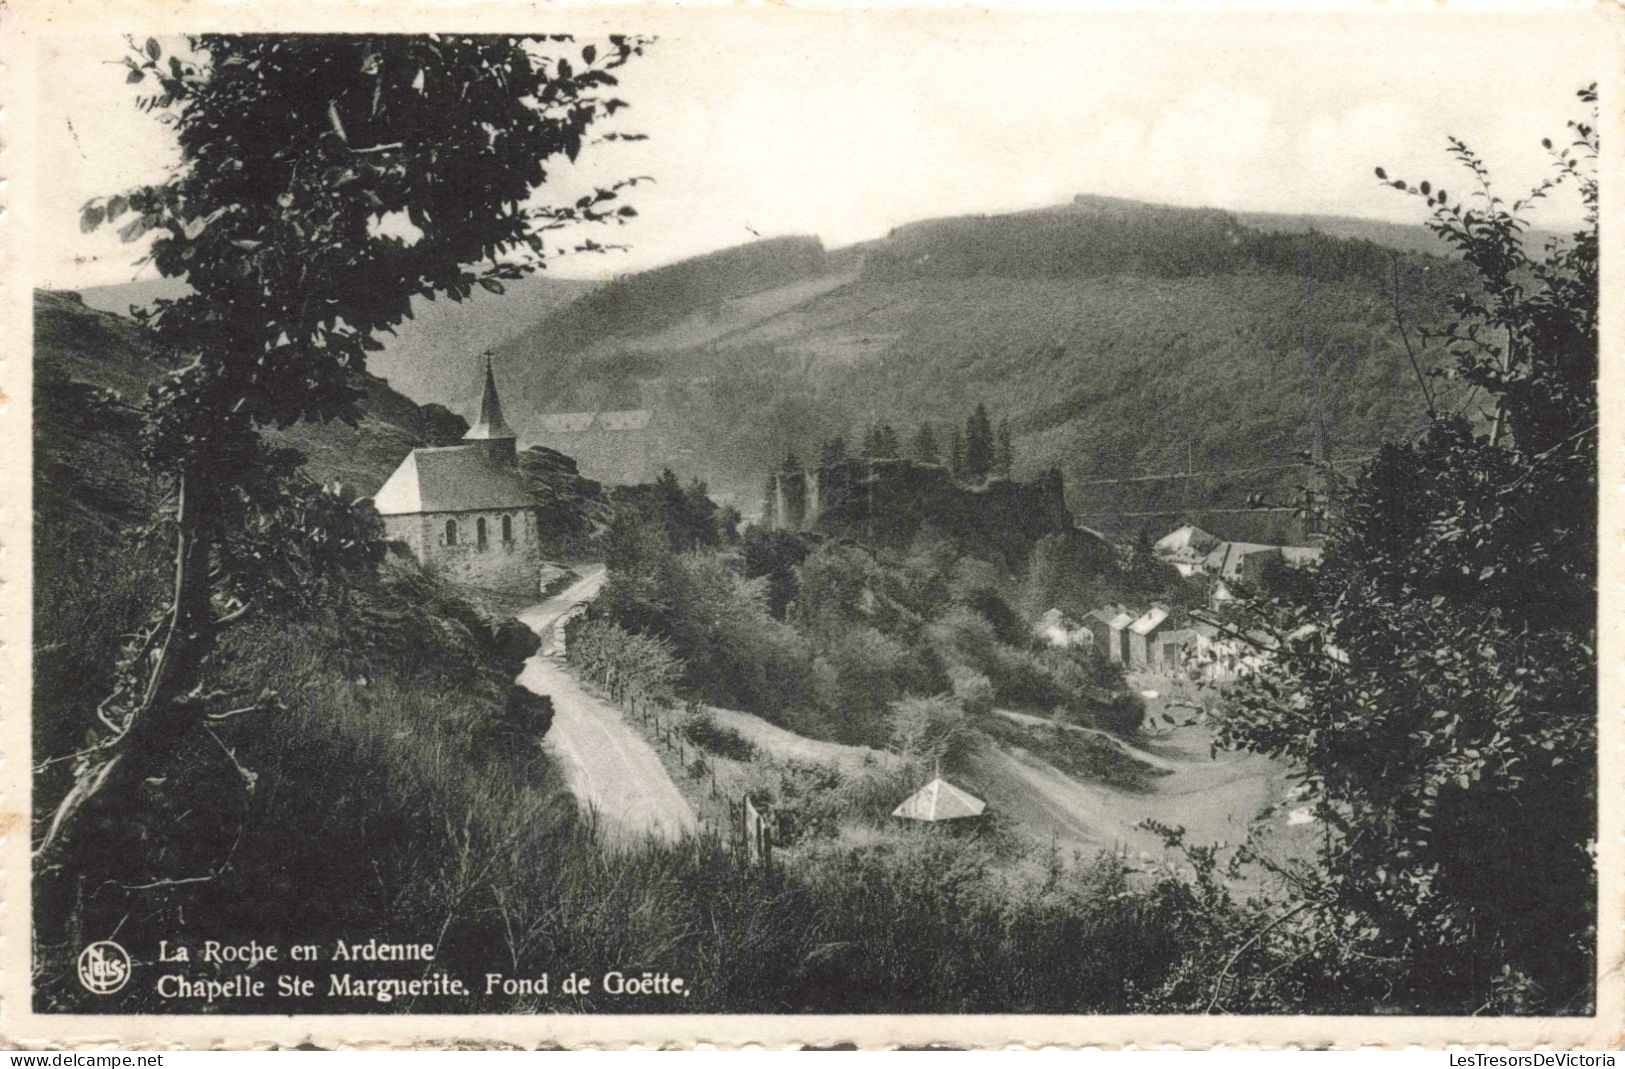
{"points": [[104, 968]]}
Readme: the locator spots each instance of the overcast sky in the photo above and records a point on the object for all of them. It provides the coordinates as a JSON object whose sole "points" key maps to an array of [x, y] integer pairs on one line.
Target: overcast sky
{"points": [[844, 125]]}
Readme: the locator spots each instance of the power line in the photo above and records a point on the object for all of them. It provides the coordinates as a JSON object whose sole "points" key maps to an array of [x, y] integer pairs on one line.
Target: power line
{"points": [[1215, 471], [1182, 512]]}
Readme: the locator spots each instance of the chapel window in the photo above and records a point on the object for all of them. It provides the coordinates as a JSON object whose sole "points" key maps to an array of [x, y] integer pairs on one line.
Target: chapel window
{"points": [[479, 531], [451, 532], [507, 528]]}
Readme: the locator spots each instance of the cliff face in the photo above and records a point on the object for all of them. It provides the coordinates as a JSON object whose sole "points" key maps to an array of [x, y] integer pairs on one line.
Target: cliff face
{"points": [[888, 503]]}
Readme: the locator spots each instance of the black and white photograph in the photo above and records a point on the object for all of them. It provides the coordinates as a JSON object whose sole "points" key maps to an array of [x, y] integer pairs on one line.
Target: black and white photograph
{"points": [[728, 514]]}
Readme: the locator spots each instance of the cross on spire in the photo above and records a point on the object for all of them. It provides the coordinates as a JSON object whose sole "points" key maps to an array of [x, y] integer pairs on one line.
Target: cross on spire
{"points": [[490, 423]]}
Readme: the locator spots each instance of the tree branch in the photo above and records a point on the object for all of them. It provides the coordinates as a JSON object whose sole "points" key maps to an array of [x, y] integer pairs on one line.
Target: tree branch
{"points": [[1218, 983]]}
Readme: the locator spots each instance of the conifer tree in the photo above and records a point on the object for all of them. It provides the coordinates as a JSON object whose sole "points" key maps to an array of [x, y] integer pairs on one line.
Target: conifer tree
{"points": [[833, 453], [1003, 450], [924, 447], [956, 454], [978, 444], [887, 445], [770, 494]]}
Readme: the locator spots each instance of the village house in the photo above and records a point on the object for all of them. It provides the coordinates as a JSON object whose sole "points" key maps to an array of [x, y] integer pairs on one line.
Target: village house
{"points": [[1142, 636], [1061, 631], [465, 508], [1227, 562], [1107, 629], [1223, 655], [1185, 548], [616, 447]]}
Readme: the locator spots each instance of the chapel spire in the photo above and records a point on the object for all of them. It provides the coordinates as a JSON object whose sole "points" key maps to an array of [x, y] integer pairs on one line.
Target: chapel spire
{"points": [[490, 424], [491, 427]]}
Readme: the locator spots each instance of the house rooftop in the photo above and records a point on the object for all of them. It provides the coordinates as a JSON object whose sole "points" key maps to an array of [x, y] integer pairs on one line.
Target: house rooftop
{"points": [[1225, 558], [1188, 540], [1150, 621]]}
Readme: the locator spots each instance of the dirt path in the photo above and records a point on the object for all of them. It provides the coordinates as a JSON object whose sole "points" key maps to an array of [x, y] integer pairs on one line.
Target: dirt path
{"points": [[1142, 756], [787, 745], [1214, 797], [609, 766]]}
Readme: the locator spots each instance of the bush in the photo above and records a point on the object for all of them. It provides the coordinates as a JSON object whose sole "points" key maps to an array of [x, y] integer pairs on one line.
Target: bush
{"points": [[1121, 714], [931, 731], [972, 690], [700, 727]]}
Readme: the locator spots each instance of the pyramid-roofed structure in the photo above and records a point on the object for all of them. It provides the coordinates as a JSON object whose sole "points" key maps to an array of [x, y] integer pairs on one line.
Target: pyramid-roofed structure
{"points": [[939, 800]]}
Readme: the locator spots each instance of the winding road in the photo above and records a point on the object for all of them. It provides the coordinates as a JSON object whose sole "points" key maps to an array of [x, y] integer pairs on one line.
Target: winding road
{"points": [[609, 766]]}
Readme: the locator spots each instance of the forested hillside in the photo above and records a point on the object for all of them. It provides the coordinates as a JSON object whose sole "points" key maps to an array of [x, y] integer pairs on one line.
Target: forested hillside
{"points": [[1120, 339]]}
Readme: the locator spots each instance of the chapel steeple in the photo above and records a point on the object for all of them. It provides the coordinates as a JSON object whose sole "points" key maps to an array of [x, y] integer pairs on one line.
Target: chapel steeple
{"points": [[491, 428]]}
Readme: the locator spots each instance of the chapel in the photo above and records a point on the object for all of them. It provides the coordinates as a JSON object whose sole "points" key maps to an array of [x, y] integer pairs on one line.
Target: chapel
{"points": [[466, 509]]}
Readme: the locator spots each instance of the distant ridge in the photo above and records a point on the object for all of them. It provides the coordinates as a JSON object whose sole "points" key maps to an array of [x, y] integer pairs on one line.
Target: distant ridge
{"points": [[1119, 337]]}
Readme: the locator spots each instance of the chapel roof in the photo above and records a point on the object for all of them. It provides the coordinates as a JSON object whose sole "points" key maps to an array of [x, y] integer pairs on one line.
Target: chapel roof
{"points": [[454, 478]]}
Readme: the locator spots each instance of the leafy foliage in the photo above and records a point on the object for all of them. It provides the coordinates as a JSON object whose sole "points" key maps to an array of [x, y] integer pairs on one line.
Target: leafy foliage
{"points": [[633, 668], [1436, 689], [324, 182]]}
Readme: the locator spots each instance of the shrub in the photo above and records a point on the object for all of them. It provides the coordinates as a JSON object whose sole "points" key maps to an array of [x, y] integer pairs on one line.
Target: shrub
{"points": [[1121, 714], [972, 690], [699, 768], [700, 727], [931, 731]]}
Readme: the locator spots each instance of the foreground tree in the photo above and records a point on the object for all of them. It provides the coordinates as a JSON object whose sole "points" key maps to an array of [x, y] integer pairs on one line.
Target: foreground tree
{"points": [[1440, 705], [324, 182]]}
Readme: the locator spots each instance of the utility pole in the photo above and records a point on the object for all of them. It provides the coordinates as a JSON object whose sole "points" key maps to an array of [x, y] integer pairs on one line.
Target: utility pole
{"points": [[1313, 492], [1190, 476]]}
